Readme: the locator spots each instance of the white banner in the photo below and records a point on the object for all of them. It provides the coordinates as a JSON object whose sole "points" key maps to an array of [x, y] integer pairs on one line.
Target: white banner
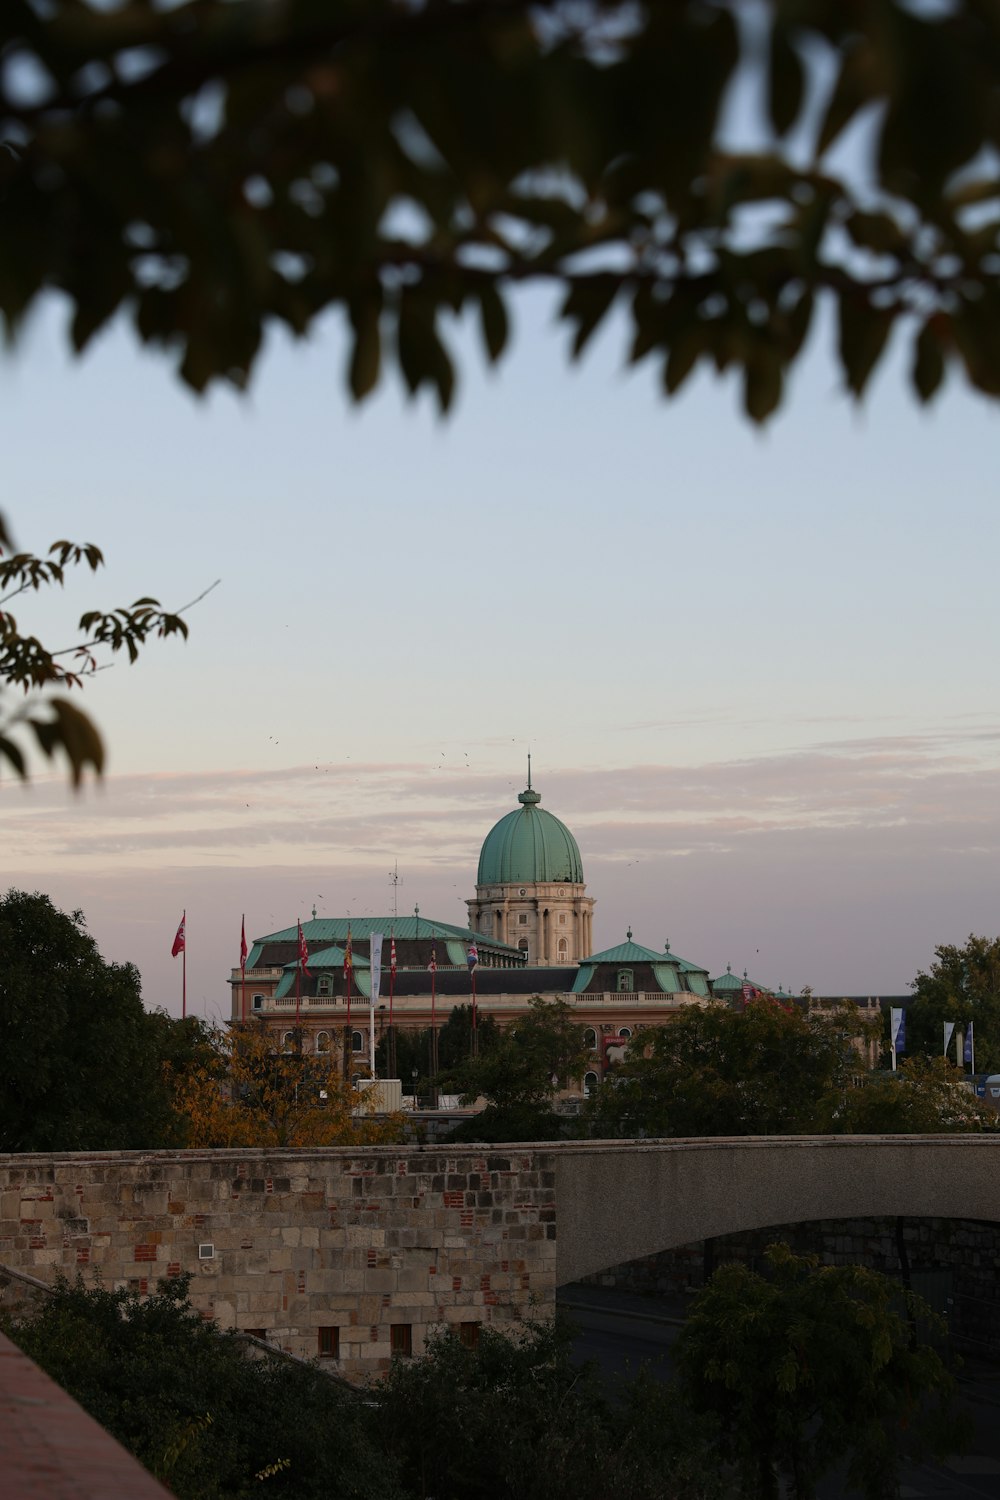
{"points": [[376, 970], [949, 1032]]}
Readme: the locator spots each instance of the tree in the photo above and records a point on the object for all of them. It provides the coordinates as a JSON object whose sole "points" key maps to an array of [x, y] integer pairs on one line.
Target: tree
{"points": [[55, 724], [80, 1059], [535, 1057], [925, 1095], [212, 169], [810, 1365], [454, 1045], [251, 1094], [194, 1404], [216, 168], [713, 1071], [516, 1419], [962, 985]]}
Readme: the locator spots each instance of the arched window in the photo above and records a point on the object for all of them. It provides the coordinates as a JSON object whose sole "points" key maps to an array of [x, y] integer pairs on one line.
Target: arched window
{"points": [[563, 947], [323, 1041], [325, 986], [625, 1032], [523, 945], [287, 1038], [357, 1041], [624, 981], [590, 1082], [590, 1038]]}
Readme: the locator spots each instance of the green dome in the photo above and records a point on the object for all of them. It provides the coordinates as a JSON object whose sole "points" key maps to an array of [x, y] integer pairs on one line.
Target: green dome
{"points": [[529, 845]]}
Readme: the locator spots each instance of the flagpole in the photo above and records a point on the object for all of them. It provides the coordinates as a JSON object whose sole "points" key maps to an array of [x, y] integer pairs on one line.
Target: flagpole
{"points": [[348, 1033], [475, 1028], [298, 987], [434, 1035], [392, 994], [243, 969], [184, 968]]}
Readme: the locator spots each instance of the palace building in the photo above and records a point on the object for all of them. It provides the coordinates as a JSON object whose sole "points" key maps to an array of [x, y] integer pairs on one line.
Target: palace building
{"points": [[531, 926]]}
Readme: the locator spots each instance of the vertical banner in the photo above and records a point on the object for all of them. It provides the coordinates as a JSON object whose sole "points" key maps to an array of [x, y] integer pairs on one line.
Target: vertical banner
{"points": [[969, 1055], [897, 1030], [375, 953], [949, 1032]]}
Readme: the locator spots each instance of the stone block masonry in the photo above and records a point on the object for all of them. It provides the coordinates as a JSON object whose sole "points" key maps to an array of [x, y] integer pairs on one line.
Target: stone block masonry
{"points": [[294, 1242]]}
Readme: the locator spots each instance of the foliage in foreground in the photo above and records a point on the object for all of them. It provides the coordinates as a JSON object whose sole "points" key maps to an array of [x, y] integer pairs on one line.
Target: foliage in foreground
{"points": [[195, 1409], [511, 1420], [813, 1364], [214, 169], [53, 724], [516, 1418]]}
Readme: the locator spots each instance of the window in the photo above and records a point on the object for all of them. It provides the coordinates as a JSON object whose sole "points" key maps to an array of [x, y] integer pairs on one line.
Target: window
{"points": [[563, 947], [287, 1038], [206, 1252], [522, 920], [562, 919], [325, 986], [590, 1082], [625, 1033], [469, 1335], [357, 1041], [329, 1343], [323, 1041], [624, 981], [258, 1002], [523, 945], [400, 1340], [590, 1038]]}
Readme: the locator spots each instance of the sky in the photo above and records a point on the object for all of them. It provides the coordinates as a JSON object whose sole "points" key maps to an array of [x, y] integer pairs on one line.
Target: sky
{"points": [[755, 670]]}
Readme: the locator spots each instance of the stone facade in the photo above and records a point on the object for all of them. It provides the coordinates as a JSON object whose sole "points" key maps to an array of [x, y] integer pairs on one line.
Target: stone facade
{"points": [[338, 1253]]}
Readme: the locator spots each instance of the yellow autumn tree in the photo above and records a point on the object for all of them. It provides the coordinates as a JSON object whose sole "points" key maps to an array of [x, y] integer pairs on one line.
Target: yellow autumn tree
{"points": [[250, 1093]]}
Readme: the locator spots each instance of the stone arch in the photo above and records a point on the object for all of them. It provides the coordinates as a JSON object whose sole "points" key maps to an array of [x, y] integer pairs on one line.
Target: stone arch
{"points": [[619, 1201]]}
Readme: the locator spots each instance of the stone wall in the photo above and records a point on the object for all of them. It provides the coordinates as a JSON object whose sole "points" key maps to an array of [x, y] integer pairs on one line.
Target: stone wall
{"points": [[295, 1242]]}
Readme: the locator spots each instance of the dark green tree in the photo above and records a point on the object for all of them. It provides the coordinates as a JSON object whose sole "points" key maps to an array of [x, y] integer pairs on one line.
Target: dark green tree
{"points": [[765, 1070], [80, 1059], [516, 1419], [924, 1096], [810, 1365], [196, 1408], [962, 985], [213, 169], [413, 1048], [535, 1057]]}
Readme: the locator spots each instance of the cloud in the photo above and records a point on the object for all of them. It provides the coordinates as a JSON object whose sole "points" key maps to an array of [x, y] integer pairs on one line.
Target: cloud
{"points": [[838, 864]]}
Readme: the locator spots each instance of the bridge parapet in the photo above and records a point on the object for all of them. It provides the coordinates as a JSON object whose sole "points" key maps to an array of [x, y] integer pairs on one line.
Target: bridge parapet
{"points": [[353, 1256]]}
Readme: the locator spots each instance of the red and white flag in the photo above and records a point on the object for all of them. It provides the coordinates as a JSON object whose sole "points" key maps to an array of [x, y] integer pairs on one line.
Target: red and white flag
{"points": [[433, 965], [243, 945], [179, 944], [392, 957], [303, 952]]}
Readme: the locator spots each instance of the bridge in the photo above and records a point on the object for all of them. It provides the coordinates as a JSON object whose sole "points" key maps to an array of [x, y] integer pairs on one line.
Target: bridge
{"points": [[353, 1255]]}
